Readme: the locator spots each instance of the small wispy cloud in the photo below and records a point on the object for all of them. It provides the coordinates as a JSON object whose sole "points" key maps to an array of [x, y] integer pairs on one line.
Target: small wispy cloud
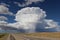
{"points": [[4, 4], [27, 2]]}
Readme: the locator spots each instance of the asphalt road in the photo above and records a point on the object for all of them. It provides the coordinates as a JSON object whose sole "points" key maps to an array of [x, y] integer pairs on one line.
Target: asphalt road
{"points": [[24, 37]]}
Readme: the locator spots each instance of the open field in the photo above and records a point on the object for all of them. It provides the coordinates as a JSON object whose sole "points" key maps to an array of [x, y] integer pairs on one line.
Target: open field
{"points": [[46, 34], [3, 36], [31, 36]]}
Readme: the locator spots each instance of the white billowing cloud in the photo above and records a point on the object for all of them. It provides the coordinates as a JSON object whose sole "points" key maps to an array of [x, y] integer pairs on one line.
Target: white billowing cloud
{"points": [[51, 24], [27, 18], [15, 25], [30, 13], [3, 23], [27, 2], [2, 18], [5, 10]]}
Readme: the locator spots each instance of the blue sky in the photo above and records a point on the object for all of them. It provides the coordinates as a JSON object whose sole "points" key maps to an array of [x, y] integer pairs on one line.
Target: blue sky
{"points": [[51, 7]]}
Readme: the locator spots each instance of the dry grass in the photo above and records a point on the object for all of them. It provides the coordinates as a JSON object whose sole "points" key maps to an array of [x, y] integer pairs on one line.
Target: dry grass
{"points": [[41, 34], [3, 36], [46, 34]]}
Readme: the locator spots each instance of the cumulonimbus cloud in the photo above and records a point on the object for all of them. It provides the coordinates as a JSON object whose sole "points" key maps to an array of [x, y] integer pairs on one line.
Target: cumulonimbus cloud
{"points": [[27, 2], [27, 18]]}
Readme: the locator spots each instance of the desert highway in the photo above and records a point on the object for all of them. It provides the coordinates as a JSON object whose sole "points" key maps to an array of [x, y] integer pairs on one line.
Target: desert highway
{"points": [[24, 37]]}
